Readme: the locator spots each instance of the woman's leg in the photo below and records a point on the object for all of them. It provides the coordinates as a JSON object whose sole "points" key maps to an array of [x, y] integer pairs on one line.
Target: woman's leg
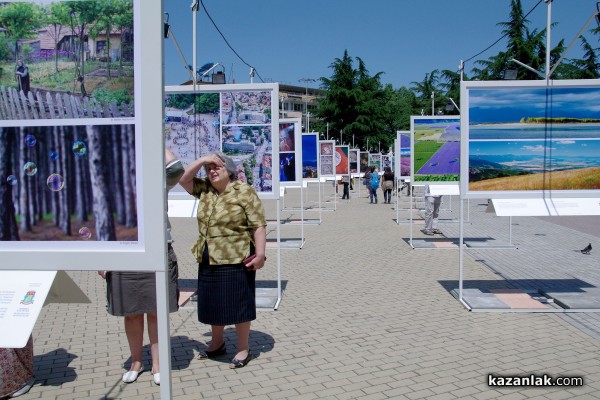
{"points": [[153, 335], [217, 337], [242, 332], [134, 329]]}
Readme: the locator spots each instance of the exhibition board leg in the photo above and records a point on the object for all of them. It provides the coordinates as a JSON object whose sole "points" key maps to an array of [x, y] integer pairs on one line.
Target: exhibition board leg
{"points": [[278, 259], [461, 251], [302, 216], [164, 337]]}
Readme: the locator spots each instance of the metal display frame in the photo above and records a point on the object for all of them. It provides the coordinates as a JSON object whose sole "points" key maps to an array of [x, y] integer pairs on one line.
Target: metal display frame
{"points": [[273, 88], [520, 203]]}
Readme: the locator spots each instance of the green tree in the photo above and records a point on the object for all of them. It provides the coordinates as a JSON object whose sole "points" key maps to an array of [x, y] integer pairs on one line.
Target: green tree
{"points": [[353, 103], [589, 65], [399, 105], [82, 14], [20, 21], [56, 16], [424, 89]]}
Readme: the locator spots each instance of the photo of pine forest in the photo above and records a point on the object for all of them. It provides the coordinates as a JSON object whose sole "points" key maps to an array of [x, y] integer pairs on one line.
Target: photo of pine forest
{"points": [[68, 183]]}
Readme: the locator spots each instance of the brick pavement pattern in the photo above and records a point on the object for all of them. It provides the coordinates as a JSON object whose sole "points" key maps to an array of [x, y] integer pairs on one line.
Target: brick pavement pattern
{"points": [[363, 316]]}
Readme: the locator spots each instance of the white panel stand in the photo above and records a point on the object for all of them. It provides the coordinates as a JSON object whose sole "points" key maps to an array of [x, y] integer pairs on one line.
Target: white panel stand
{"points": [[278, 259], [528, 207], [461, 256], [164, 336]]}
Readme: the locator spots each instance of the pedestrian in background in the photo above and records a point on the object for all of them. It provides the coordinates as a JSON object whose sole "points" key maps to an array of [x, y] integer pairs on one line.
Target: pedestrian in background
{"points": [[387, 184]]}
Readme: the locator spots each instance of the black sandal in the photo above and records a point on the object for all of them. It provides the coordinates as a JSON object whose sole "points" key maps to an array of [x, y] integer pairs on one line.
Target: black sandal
{"points": [[214, 353], [235, 363]]}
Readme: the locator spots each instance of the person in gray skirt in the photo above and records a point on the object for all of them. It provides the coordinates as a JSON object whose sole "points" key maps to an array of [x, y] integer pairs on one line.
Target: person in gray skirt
{"points": [[133, 294], [230, 249]]}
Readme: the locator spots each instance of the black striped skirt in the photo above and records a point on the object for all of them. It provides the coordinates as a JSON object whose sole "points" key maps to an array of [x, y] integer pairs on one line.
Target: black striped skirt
{"points": [[226, 294]]}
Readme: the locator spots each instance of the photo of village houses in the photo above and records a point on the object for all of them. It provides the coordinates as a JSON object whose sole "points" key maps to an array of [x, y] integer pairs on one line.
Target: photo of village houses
{"points": [[66, 59]]}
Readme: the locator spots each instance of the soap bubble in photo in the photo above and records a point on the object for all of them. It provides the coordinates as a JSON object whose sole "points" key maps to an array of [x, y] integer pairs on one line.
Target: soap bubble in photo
{"points": [[30, 168], [55, 182], [85, 233], [30, 140], [79, 148]]}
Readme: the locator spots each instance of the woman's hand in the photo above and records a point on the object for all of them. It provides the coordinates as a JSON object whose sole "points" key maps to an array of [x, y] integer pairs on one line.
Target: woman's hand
{"points": [[187, 179], [257, 263]]}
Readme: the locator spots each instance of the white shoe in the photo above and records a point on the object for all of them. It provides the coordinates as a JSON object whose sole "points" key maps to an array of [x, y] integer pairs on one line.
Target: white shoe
{"points": [[23, 390], [156, 377], [131, 376]]}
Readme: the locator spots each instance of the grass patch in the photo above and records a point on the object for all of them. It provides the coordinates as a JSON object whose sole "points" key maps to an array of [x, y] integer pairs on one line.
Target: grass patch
{"points": [[578, 179]]}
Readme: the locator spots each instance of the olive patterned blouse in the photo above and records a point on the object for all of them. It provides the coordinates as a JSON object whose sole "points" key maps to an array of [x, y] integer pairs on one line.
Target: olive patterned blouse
{"points": [[226, 221]]}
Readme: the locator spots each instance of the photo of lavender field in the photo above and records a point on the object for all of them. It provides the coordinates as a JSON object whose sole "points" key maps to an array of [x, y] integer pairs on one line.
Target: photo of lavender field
{"points": [[404, 154], [445, 161], [436, 149]]}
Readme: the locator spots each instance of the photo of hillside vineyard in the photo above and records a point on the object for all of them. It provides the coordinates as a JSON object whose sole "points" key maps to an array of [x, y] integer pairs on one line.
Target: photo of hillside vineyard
{"points": [[436, 149], [66, 59], [68, 183], [514, 146]]}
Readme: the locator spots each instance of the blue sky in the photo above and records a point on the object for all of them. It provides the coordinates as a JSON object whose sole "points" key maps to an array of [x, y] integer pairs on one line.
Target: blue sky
{"points": [[288, 40], [509, 105]]}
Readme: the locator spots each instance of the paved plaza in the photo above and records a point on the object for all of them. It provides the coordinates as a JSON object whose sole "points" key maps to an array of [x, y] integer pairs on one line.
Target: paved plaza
{"points": [[363, 315]]}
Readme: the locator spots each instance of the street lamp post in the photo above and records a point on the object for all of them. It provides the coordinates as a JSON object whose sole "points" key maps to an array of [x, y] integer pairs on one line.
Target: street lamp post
{"points": [[432, 103], [306, 80]]}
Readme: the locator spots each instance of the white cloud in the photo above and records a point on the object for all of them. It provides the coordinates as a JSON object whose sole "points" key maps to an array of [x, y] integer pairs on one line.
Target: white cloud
{"points": [[534, 149]]}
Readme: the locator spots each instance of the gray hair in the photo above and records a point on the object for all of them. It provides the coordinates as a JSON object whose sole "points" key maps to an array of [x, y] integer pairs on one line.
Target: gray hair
{"points": [[229, 165]]}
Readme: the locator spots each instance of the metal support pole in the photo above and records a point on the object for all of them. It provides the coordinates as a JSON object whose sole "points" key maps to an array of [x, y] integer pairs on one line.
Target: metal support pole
{"points": [[164, 338], [548, 43], [194, 45], [461, 253]]}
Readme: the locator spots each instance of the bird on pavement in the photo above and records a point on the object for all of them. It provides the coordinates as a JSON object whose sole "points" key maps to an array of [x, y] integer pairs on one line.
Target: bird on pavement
{"points": [[587, 249]]}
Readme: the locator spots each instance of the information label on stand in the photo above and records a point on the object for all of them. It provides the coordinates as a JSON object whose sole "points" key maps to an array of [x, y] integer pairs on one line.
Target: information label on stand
{"points": [[22, 295]]}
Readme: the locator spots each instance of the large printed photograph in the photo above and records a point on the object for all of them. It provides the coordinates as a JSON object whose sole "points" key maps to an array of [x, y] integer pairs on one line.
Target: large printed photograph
{"points": [[403, 152], [66, 59], [246, 136], [290, 152], [68, 183], [238, 123], [342, 162], [326, 158], [435, 149], [353, 159], [309, 156], [532, 139]]}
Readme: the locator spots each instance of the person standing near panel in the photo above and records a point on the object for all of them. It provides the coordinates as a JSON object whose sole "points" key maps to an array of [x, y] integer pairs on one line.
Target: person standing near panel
{"points": [[229, 250], [133, 294], [432, 211]]}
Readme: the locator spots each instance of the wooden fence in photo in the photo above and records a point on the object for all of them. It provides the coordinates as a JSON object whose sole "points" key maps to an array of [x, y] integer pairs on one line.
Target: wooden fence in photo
{"points": [[15, 105]]}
